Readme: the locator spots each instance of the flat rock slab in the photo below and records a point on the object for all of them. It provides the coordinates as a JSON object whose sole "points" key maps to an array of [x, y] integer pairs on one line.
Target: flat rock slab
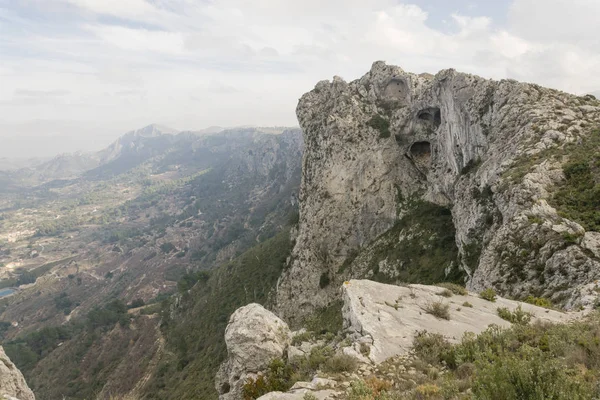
{"points": [[392, 315], [299, 395]]}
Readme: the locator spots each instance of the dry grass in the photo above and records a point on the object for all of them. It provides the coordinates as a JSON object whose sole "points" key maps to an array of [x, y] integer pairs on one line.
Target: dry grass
{"points": [[438, 309]]}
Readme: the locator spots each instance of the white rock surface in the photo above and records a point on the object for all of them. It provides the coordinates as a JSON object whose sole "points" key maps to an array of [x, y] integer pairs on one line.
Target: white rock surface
{"points": [[369, 311], [12, 383], [254, 337], [299, 395]]}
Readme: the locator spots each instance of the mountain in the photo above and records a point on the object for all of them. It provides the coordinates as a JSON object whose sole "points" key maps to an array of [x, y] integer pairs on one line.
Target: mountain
{"points": [[421, 179], [159, 212], [126, 276]]}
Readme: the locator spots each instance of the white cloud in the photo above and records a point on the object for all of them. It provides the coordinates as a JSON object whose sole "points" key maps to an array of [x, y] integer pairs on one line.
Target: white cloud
{"points": [[192, 63], [140, 39]]}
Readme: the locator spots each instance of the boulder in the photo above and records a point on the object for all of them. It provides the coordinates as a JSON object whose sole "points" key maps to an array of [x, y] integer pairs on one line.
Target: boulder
{"points": [[254, 337], [12, 382]]}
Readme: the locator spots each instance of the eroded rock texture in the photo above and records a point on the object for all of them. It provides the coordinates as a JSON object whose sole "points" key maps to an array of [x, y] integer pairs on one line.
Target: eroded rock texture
{"points": [[486, 155], [254, 337], [12, 383], [388, 317]]}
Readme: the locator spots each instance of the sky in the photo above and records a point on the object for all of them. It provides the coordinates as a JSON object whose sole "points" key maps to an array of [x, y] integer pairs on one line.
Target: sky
{"points": [[75, 74]]}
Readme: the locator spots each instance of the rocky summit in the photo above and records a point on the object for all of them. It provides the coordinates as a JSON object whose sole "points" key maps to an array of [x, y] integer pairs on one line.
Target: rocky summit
{"points": [[423, 178]]}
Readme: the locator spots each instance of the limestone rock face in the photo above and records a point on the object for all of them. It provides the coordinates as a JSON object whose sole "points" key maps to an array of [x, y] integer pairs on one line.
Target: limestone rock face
{"points": [[389, 316], [254, 337], [480, 148], [12, 383]]}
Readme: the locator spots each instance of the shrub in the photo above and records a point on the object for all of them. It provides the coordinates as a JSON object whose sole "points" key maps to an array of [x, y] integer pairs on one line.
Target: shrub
{"points": [[427, 392], [454, 288], [533, 361], [324, 280], [378, 386], [471, 166], [438, 309], [136, 303], [277, 379], [467, 304], [340, 363], [369, 389], [167, 247], [302, 337], [539, 301], [528, 374], [578, 197], [309, 396], [380, 124], [516, 317], [432, 347], [360, 391], [445, 293], [488, 294]]}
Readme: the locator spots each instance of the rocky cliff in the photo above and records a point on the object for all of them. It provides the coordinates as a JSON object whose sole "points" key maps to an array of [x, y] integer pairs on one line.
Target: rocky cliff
{"points": [[12, 383], [426, 178]]}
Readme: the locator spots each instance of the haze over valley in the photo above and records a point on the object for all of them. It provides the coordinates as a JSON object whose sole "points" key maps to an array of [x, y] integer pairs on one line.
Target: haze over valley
{"points": [[304, 220]]}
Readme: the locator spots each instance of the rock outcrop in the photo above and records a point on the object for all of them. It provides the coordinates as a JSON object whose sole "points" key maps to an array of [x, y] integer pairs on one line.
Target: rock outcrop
{"points": [[385, 150], [381, 322], [12, 383], [387, 317], [254, 337]]}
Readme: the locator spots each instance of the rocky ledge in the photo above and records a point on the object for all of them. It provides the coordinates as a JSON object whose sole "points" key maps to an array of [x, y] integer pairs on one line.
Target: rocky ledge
{"points": [[380, 324]]}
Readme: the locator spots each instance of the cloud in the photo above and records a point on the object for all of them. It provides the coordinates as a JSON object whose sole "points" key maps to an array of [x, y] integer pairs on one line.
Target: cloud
{"points": [[26, 93], [195, 63]]}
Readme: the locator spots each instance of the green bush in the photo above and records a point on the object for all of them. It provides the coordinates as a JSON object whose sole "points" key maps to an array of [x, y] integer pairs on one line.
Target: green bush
{"points": [[454, 288], [525, 361], [324, 280], [167, 247], [340, 363], [278, 378], [516, 317], [488, 294], [445, 293], [539, 301], [432, 348], [467, 304], [380, 124], [578, 197], [136, 303], [303, 337], [528, 374]]}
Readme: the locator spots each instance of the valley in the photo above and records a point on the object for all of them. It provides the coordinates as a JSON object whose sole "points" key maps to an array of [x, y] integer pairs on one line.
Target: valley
{"points": [[158, 213]]}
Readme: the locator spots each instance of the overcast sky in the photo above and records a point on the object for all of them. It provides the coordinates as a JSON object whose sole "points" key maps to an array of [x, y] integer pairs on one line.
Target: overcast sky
{"points": [[82, 72]]}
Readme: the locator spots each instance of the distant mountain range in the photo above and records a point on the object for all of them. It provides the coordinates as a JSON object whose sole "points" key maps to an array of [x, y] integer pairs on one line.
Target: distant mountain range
{"points": [[126, 152]]}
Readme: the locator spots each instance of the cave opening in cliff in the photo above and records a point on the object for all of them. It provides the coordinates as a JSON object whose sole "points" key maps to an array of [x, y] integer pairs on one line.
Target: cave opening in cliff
{"points": [[431, 115], [396, 89], [421, 153]]}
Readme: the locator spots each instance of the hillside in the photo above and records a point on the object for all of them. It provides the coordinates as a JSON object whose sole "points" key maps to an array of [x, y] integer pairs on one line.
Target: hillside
{"points": [[126, 234]]}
